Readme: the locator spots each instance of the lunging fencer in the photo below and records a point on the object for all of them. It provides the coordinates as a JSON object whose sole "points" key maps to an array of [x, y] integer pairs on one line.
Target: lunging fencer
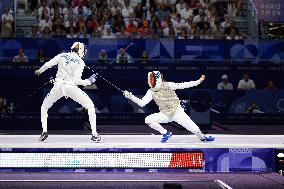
{"points": [[163, 93], [68, 77]]}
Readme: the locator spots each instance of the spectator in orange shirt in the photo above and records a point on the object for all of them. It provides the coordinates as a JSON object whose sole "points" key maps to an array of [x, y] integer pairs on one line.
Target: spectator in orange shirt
{"points": [[131, 28], [145, 30]]}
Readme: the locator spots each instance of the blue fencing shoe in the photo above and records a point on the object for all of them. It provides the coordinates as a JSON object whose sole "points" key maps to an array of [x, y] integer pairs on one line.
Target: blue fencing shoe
{"points": [[207, 139], [166, 137]]}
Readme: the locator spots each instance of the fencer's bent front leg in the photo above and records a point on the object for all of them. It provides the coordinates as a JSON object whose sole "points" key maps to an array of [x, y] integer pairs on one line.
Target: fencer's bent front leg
{"points": [[154, 121], [50, 99]]}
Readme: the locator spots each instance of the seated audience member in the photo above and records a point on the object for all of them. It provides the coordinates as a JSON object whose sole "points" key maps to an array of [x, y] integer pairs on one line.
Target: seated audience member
{"points": [[253, 108], [41, 56], [246, 83], [123, 57], [144, 57], [224, 84], [108, 34], [270, 85], [21, 57], [103, 57]]}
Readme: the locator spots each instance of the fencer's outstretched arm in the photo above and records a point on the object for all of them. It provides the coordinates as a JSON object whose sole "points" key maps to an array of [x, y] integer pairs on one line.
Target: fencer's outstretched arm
{"points": [[185, 85], [141, 102], [48, 64]]}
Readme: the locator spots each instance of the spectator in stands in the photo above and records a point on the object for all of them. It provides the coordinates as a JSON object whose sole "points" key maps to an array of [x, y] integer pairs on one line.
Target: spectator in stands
{"points": [[123, 57], [131, 28], [46, 32], [83, 33], [118, 22], [45, 23], [70, 23], [226, 23], [145, 31], [21, 57], [81, 10], [233, 35], [139, 12], [270, 85], [218, 32], [253, 108], [173, 12], [181, 5], [58, 28], [103, 58], [121, 33], [246, 83], [178, 23], [225, 84], [127, 9], [162, 12], [3, 107], [144, 57], [43, 8], [55, 8], [35, 33], [186, 12], [108, 34], [71, 33], [68, 11], [41, 56], [7, 22]]}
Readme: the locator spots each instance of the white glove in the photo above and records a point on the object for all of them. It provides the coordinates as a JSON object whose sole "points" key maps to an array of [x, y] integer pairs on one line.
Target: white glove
{"points": [[127, 94]]}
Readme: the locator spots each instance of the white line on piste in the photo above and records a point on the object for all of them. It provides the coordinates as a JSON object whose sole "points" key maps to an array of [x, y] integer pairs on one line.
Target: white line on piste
{"points": [[55, 180], [223, 185], [219, 182]]}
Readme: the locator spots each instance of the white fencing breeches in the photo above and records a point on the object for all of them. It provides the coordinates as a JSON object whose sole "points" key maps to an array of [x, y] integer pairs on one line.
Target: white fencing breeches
{"points": [[179, 117], [74, 93]]}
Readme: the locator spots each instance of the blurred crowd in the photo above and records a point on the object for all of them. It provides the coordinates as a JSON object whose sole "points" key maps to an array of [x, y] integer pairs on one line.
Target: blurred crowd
{"points": [[201, 19]]}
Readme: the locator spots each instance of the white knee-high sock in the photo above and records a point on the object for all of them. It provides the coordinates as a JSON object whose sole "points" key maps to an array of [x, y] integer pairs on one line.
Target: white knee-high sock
{"points": [[44, 116], [93, 120]]}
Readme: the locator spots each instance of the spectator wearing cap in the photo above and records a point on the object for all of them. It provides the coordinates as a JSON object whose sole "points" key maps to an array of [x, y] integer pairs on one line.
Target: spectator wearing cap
{"points": [[225, 84]]}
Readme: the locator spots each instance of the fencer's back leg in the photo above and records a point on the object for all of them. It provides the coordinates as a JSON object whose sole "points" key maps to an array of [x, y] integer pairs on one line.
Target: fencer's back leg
{"points": [[54, 95]]}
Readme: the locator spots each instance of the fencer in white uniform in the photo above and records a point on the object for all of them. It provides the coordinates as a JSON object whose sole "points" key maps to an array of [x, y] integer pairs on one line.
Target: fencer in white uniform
{"points": [[163, 93], [68, 77]]}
